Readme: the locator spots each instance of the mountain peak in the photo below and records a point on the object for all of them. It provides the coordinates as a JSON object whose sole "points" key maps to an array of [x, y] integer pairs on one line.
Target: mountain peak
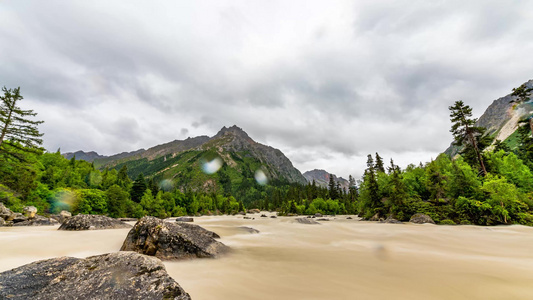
{"points": [[233, 130]]}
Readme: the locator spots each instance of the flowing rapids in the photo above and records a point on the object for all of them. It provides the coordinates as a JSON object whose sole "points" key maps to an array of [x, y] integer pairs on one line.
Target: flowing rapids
{"points": [[340, 259]]}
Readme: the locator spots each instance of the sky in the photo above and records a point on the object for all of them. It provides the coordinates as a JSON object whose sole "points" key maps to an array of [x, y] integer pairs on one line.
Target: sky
{"points": [[326, 82]]}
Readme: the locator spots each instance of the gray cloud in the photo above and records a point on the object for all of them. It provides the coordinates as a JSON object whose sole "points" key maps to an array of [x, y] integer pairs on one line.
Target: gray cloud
{"points": [[327, 84]]}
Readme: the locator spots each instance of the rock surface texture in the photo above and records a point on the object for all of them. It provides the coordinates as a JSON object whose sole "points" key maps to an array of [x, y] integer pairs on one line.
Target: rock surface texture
{"points": [[91, 222], [171, 241], [421, 219], [120, 275], [37, 221], [307, 221]]}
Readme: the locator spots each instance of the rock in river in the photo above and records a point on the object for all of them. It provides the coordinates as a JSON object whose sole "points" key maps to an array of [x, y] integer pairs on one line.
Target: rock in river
{"points": [[166, 240], [120, 275], [90, 222], [307, 221], [184, 219]]}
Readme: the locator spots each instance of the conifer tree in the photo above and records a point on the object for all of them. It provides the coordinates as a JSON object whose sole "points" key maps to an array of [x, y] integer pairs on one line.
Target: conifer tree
{"points": [[463, 129], [523, 94], [18, 134], [379, 164]]}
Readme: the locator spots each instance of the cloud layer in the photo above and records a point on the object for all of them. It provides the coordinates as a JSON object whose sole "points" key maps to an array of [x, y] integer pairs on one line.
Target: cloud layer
{"points": [[326, 83]]}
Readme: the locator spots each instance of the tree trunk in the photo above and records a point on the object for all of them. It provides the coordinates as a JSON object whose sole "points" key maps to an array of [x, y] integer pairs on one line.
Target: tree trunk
{"points": [[4, 130]]}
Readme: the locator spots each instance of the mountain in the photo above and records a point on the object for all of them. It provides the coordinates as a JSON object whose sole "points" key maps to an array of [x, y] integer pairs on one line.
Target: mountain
{"points": [[321, 178], [80, 155], [501, 119], [188, 163]]}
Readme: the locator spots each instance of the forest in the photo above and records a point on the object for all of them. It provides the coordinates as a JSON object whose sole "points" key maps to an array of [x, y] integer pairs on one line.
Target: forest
{"points": [[485, 183]]}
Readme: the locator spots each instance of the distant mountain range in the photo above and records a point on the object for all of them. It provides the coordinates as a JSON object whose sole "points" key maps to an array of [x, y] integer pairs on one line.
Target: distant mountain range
{"points": [[321, 178]]}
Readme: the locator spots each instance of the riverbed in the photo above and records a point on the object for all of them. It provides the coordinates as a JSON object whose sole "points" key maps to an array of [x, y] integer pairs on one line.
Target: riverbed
{"points": [[339, 259]]}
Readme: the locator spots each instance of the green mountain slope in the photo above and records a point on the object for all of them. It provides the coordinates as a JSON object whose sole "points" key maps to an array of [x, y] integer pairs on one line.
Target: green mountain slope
{"points": [[190, 164]]}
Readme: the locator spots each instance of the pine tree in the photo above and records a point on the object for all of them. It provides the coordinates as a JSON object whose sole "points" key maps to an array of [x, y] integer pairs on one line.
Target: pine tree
{"points": [[18, 134], [138, 188], [379, 164], [332, 188], [463, 130], [523, 94]]}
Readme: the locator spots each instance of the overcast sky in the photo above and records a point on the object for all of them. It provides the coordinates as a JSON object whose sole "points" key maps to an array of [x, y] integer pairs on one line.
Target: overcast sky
{"points": [[326, 82]]}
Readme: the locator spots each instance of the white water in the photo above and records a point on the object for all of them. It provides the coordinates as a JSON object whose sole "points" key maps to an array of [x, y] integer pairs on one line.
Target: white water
{"points": [[340, 259]]}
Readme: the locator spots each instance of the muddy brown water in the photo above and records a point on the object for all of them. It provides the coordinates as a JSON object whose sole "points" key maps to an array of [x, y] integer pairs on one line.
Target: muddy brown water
{"points": [[339, 259]]}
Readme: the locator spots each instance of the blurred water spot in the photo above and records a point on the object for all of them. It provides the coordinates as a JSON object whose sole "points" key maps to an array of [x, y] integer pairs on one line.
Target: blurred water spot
{"points": [[166, 185], [261, 177], [210, 167]]}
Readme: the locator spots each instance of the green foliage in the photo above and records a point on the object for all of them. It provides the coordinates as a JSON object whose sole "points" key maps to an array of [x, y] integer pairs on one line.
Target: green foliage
{"points": [[90, 201], [17, 133]]}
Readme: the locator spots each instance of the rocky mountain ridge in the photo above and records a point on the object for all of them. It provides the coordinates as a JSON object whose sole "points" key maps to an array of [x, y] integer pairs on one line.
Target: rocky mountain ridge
{"points": [[501, 118], [230, 144]]}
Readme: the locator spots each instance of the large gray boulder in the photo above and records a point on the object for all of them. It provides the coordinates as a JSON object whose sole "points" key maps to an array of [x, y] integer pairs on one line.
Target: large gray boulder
{"points": [[91, 222], [421, 219], [166, 240], [120, 275], [184, 219]]}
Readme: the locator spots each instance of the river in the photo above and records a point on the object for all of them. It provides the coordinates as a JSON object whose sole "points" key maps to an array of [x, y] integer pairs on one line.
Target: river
{"points": [[340, 259]]}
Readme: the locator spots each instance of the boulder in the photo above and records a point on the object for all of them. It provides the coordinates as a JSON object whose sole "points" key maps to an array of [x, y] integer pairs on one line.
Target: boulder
{"points": [[6, 213], [91, 222], [18, 217], [263, 216], [62, 216], [254, 211], [392, 220], [2, 222], [248, 229], [421, 219], [307, 221], [376, 217], [29, 211], [318, 215], [120, 275], [184, 219], [349, 218], [37, 221], [273, 217], [166, 240], [323, 219]]}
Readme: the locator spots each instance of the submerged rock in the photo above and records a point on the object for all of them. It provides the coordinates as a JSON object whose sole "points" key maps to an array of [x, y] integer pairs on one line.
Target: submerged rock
{"points": [[184, 219], [254, 211], [249, 229], [91, 222], [153, 236], [307, 221], [120, 275], [421, 219]]}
